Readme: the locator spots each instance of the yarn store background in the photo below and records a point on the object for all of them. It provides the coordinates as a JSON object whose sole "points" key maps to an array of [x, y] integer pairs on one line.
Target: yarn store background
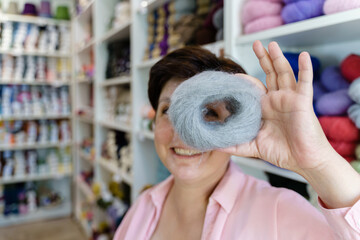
{"points": [[76, 139]]}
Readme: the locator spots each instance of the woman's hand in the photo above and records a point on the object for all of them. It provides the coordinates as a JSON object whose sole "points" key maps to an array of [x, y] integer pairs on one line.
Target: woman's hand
{"points": [[291, 136]]}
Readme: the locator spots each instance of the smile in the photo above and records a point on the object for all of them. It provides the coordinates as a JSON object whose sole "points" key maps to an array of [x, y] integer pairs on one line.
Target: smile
{"points": [[186, 152]]}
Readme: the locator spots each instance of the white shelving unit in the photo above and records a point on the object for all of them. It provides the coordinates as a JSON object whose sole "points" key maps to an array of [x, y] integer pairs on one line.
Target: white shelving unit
{"points": [[330, 38], [59, 181]]}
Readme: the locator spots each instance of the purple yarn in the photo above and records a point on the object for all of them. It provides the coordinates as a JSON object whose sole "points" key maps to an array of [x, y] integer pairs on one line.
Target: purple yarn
{"points": [[291, 1], [334, 103], [302, 10], [332, 79], [164, 45], [319, 90]]}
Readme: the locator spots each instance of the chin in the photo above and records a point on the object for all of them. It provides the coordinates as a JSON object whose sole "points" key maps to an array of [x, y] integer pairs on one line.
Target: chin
{"points": [[186, 171]]}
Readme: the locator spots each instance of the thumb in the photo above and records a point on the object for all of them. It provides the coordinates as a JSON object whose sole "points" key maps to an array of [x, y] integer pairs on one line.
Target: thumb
{"points": [[242, 150]]}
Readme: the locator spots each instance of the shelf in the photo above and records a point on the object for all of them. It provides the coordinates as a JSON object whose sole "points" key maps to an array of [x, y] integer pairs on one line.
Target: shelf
{"points": [[35, 177], [118, 33], [84, 80], [146, 134], [34, 53], [85, 156], [264, 166], [343, 26], [85, 119], [10, 118], [63, 210], [112, 167], [34, 146], [115, 125], [54, 83], [86, 190], [149, 63], [116, 81], [150, 5], [4, 17], [86, 47], [86, 12]]}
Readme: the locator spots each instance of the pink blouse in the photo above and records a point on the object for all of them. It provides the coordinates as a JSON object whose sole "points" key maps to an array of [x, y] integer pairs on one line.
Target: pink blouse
{"points": [[243, 207]]}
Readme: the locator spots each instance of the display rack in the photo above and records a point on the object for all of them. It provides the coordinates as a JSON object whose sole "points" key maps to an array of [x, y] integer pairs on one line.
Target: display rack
{"points": [[62, 178]]}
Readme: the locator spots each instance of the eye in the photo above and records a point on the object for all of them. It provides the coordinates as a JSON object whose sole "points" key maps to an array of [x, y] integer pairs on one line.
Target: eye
{"points": [[164, 110]]}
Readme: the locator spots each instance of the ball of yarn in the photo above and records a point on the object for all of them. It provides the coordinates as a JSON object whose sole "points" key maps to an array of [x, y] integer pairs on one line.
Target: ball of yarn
{"points": [[339, 128], [332, 79], [350, 67], [263, 23], [301, 10], [256, 9], [356, 165], [334, 6], [214, 110], [334, 103], [293, 59], [354, 90], [345, 149], [354, 114], [319, 90]]}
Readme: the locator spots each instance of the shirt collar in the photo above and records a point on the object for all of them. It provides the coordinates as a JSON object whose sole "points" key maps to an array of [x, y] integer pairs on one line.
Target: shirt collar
{"points": [[160, 191], [227, 191]]}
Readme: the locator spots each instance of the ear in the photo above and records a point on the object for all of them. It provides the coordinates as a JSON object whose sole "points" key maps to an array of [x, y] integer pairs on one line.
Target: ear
{"points": [[254, 80]]}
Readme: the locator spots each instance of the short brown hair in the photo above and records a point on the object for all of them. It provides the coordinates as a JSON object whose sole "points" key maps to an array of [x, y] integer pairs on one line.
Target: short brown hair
{"points": [[184, 63]]}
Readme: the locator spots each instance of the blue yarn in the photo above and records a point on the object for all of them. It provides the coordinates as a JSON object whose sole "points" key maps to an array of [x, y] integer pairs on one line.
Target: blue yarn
{"points": [[193, 99], [293, 59]]}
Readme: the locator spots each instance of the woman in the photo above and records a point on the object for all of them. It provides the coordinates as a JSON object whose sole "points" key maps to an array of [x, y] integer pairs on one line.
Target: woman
{"points": [[213, 199]]}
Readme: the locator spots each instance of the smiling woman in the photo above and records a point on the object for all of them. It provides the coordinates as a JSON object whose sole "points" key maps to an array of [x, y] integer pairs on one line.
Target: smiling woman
{"points": [[208, 197]]}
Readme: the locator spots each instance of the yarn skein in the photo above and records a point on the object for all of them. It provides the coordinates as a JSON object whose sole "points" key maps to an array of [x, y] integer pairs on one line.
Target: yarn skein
{"points": [[354, 90], [197, 107]]}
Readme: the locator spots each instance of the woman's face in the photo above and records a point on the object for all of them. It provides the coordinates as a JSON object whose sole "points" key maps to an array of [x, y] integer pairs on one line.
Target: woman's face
{"points": [[184, 162]]}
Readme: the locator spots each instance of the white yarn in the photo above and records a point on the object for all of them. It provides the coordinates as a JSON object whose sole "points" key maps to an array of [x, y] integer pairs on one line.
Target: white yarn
{"points": [[187, 110]]}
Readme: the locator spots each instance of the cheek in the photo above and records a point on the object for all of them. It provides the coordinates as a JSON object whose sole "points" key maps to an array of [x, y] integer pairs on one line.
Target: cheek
{"points": [[164, 131]]}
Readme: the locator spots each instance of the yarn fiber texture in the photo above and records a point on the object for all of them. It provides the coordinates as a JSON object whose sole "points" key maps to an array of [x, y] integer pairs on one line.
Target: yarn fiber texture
{"points": [[263, 23], [354, 114], [254, 10], [301, 10], [339, 128], [332, 79], [196, 98], [350, 67], [334, 103], [334, 6], [354, 90]]}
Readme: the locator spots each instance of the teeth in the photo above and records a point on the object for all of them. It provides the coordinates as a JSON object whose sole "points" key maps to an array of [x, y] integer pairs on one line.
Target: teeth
{"points": [[186, 152]]}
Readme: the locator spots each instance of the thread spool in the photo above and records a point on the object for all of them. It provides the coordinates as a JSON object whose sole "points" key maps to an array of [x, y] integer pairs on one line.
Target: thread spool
{"points": [[216, 110]]}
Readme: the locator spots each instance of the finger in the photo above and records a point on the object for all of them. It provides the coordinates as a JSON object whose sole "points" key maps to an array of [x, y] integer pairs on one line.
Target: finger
{"points": [[266, 65], [304, 85], [286, 78], [254, 80]]}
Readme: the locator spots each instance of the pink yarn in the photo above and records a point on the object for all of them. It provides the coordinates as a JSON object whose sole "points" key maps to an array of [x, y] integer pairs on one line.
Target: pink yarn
{"points": [[334, 6], [256, 9], [263, 24]]}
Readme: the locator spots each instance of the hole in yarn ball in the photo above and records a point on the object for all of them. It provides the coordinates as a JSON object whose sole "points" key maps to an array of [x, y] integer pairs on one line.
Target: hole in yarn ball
{"points": [[220, 111]]}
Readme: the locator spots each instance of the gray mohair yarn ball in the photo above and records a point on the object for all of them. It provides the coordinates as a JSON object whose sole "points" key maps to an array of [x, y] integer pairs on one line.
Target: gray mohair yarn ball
{"points": [[214, 109]]}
